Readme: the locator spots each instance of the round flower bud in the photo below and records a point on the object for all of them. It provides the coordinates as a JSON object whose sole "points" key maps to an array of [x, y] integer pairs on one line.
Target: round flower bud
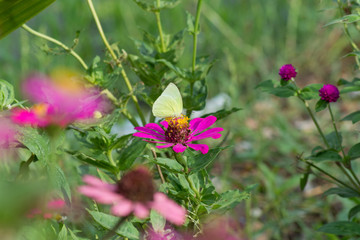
{"points": [[287, 72], [329, 93]]}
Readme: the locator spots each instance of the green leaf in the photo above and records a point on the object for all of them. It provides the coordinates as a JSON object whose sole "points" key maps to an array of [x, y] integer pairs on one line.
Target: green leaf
{"points": [[13, 13], [170, 164], [325, 155], [61, 182], [63, 233], [353, 211], [222, 113], [94, 162], [320, 105], [341, 228], [230, 199], [127, 229], [201, 161], [151, 6], [354, 152], [311, 91], [190, 22], [352, 86], [266, 86], [7, 95], [304, 178], [127, 154], [73, 236], [157, 221], [354, 117], [345, 19], [342, 192], [197, 100], [333, 141]]}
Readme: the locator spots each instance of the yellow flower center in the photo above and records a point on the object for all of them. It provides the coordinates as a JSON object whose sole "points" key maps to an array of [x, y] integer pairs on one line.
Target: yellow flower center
{"points": [[40, 109]]}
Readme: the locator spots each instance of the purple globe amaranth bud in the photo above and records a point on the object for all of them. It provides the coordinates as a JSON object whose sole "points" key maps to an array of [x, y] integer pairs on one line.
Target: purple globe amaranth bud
{"points": [[329, 93], [287, 72]]}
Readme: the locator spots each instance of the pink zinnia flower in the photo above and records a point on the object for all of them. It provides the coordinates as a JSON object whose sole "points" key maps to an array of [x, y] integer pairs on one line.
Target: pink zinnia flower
{"points": [[329, 93], [287, 72], [178, 133], [134, 193], [60, 101]]}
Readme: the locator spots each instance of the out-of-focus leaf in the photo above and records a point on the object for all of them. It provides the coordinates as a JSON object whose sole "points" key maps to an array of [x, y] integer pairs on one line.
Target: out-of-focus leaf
{"points": [[342, 192], [94, 162], [354, 117], [126, 230], [157, 221], [222, 113], [354, 152], [230, 199], [325, 155], [201, 161], [61, 182], [353, 211], [311, 91], [195, 101], [304, 179], [345, 19], [151, 6], [333, 140], [7, 95], [341, 228], [63, 234], [13, 13], [170, 164]]}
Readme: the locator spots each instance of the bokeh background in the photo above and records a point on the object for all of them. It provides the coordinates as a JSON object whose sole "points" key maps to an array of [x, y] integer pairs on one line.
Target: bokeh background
{"points": [[250, 39]]}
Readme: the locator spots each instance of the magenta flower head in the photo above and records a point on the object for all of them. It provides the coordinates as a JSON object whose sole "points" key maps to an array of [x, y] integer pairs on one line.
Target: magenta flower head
{"points": [[134, 193], [60, 100], [168, 233], [329, 93], [287, 72], [178, 133]]}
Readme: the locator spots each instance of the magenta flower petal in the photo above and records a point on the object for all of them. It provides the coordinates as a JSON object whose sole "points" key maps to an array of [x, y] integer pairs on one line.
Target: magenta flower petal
{"points": [[179, 148], [150, 132], [155, 127], [287, 72], [145, 135], [56, 204], [329, 93], [205, 123], [100, 195], [169, 209], [194, 123], [165, 146], [165, 124], [140, 210], [203, 148], [122, 208], [213, 133]]}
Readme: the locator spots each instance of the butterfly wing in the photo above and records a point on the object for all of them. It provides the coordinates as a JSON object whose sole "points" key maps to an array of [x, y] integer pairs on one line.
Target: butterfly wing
{"points": [[169, 103]]}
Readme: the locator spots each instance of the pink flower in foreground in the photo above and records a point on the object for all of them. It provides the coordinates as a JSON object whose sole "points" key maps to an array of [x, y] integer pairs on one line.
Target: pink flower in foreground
{"points": [[8, 133], [168, 233], [178, 133], [60, 101], [134, 193]]}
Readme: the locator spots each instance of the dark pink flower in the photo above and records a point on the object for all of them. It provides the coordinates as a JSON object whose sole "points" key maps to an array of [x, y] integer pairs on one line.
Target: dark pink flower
{"points": [[59, 101], [168, 233], [287, 72], [134, 193], [178, 133], [329, 93], [53, 209]]}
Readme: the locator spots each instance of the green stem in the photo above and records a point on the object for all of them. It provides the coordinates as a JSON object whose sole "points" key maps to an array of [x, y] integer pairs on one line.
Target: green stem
{"points": [[53, 40], [118, 63], [336, 131], [110, 158], [311, 114], [348, 35], [195, 33], [158, 22]]}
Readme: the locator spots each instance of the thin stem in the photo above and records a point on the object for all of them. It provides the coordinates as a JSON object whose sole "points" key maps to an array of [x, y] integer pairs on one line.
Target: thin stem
{"points": [[354, 175], [157, 165], [195, 33], [110, 158], [347, 174], [118, 63], [53, 40], [311, 114], [158, 22], [112, 231]]}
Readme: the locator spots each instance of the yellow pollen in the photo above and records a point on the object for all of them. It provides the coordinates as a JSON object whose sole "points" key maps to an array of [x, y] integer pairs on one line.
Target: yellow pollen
{"points": [[40, 109], [179, 122]]}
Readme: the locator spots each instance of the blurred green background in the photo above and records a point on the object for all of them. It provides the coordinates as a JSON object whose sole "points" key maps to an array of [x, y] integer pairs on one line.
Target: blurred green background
{"points": [[250, 39]]}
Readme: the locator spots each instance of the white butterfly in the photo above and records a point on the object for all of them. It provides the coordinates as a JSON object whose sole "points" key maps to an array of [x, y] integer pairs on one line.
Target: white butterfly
{"points": [[169, 103]]}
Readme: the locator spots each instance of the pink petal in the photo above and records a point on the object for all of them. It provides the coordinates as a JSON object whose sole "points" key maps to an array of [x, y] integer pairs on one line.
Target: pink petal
{"points": [[165, 124], [155, 127], [47, 215], [213, 133], [96, 182], [179, 148], [199, 147], [165, 146], [140, 210], [204, 124], [122, 208], [169, 209], [194, 123], [150, 141], [150, 132], [145, 135], [100, 195], [56, 204]]}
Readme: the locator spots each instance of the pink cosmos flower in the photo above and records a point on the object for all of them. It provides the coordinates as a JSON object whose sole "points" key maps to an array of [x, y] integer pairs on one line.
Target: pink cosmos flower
{"points": [[60, 101], [134, 193], [178, 133]]}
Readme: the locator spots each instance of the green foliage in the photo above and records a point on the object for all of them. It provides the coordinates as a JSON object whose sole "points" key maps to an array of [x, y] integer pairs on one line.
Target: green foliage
{"points": [[341, 228], [321, 105], [279, 91], [7, 95]]}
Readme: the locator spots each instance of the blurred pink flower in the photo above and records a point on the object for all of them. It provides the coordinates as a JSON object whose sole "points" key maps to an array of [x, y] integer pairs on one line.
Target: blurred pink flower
{"points": [[8, 133], [179, 133], [60, 101], [53, 209], [168, 233], [133, 193]]}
